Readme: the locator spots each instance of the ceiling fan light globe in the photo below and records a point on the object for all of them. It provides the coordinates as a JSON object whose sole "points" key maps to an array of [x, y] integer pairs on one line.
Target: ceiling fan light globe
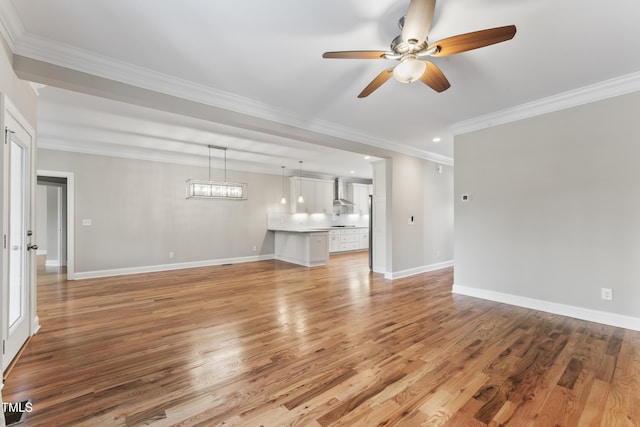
{"points": [[409, 70]]}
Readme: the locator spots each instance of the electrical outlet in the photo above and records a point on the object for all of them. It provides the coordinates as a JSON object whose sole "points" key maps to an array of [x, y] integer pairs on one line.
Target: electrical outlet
{"points": [[606, 294], [255, 248], [171, 255]]}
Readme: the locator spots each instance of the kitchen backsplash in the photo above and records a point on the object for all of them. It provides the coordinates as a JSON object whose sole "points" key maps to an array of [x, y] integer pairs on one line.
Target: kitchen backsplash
{"points": [[286, 220]]}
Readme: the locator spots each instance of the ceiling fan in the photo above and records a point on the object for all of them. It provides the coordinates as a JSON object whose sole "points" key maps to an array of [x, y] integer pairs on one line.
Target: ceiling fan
{"points": [[412, 46]]}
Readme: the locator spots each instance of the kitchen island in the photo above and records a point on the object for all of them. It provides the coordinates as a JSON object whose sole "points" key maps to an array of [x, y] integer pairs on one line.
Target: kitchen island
{"points": [[307, 247]]}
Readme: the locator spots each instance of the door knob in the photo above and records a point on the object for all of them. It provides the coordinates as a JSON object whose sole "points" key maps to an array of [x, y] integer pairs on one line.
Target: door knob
{"points": [[30, 246]]}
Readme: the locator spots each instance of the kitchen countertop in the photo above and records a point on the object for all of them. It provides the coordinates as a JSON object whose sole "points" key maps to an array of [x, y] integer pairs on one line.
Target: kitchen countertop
{"points": [[300, 230], [313, 229]]}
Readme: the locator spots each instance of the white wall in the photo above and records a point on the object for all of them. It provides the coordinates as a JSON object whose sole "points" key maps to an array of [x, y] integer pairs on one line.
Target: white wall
{"points": [[139, 213], [555, 210]]}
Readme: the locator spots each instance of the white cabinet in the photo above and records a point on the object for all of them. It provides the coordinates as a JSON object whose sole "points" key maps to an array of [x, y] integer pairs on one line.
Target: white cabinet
{"points": [[334, 241], [364, 238], [317, 195], [303, 248], [324, 197], [360, 197], [318, 248], [305, 188], [349, 239]]}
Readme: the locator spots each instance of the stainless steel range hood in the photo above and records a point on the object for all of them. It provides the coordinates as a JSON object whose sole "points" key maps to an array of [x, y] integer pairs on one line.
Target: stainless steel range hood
{"points": [[338, 194]]}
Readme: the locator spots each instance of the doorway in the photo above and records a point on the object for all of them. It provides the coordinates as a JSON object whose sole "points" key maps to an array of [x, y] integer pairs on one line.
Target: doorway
{"points": [[51, 220], [56, 206]]}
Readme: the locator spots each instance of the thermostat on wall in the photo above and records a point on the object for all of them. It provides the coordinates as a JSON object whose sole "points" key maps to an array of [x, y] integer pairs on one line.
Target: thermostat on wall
{"points": [[466, 197]]}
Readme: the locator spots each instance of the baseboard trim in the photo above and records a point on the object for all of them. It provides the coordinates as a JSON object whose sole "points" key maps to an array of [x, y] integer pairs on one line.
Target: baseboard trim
{"points": [[52, 263], [413, 271], [36, 325], [300, 262], [590, 315], [168, 267]]}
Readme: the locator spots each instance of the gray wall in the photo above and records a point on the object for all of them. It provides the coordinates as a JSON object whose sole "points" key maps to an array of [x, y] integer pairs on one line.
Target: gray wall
{"points": [[53, 225], [418, 190], [51, 216], [139, 213], [555, 209], [41, 218]]}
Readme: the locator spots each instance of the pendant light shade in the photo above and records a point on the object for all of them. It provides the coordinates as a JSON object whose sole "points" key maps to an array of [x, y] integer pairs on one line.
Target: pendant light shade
{"points": [[201, 189], [300, 198], [283, 200]]}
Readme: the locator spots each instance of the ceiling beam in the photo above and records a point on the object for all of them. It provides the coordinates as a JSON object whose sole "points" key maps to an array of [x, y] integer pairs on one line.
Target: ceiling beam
{"points": [[69, 79]]}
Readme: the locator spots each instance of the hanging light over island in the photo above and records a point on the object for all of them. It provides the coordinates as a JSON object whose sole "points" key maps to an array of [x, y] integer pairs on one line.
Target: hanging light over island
{"points": [[215, 189]]}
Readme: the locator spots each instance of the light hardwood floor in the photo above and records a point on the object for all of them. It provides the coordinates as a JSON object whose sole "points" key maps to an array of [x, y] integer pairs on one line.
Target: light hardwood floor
{"points": [[273, 344]]}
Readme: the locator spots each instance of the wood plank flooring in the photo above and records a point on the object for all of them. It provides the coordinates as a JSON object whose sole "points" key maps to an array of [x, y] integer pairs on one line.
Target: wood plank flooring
{"points": [[273, 344]]}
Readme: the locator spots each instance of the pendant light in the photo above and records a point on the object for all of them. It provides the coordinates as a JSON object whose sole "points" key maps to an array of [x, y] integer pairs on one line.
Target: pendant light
{"points": [[283, 200], [216, 190], [300, 198]]}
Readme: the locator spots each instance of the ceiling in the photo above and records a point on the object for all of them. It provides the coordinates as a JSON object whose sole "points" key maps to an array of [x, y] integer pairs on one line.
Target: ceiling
{"points": [[253, 78]]}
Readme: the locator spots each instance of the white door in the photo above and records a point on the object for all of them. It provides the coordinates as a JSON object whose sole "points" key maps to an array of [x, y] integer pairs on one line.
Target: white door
{"points": [[18, 281]]}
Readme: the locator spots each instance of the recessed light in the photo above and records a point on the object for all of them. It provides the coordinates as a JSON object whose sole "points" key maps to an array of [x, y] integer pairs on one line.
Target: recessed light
{"points": [[367, 157], [436, 139], [352, 171]]}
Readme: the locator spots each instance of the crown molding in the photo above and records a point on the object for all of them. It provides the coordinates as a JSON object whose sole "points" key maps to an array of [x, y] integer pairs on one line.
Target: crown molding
{"points": [[11, 27], [607, 89], [62, 55]]}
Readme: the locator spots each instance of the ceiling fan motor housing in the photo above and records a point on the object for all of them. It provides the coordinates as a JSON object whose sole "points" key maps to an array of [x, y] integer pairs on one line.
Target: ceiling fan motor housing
{"points": [[399, 46]]}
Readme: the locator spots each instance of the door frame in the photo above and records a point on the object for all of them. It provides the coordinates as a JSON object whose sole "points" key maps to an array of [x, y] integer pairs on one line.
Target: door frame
{"points": [[71, 272], [8, 109]]}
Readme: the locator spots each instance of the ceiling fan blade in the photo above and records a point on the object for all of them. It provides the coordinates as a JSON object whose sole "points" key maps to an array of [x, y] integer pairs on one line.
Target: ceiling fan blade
{"points": [[474, 40], [417, 21], [356, 54], [434, 78], [377, 82]]}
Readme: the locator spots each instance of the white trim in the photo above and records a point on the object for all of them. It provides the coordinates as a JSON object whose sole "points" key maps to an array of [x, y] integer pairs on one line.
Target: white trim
{"points": [[36, 87], [169, 267], [301, 262], [71, 251], [52, 263], [11, 27], [413, 271], [584, 95], [590, 315], [36, 325]]}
